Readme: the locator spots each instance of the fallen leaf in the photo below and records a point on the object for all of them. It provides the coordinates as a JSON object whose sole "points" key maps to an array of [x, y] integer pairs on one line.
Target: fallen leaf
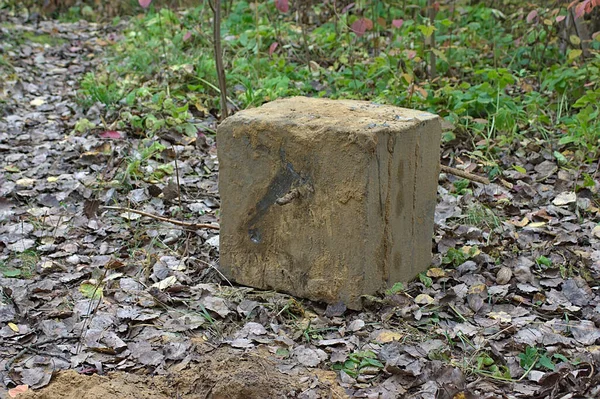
{"points": [[17, 390], [386, 336], [424, 299], [111, 134], [565, 198]]}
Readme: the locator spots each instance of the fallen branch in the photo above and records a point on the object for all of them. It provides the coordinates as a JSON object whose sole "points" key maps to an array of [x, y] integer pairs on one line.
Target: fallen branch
{"points": [[464, 175], [194, 226]]}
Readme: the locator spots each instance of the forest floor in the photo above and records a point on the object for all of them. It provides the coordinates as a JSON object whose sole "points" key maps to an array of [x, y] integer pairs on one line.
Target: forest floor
{"points": [[113, 304]]}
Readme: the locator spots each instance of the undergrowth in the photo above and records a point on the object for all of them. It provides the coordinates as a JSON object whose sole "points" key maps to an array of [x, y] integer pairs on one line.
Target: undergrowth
{"points": [[500, 75]]}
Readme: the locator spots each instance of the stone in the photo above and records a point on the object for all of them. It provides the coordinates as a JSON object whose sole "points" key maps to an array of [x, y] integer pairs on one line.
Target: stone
{"points": [[325, 199]]}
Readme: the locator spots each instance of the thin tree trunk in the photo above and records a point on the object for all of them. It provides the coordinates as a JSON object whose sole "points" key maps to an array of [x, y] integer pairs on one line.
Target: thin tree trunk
{"points": [[432, 59], [219, 57]]}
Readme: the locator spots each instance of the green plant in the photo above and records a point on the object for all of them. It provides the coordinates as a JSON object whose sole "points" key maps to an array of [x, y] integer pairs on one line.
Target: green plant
{"points": [[535, 358], [456, 257], [425, 279], [140, 158], [99, 88], [487, 366], [479, 215], [20, 266], [396, 288], [542, 261], [358, 362]]}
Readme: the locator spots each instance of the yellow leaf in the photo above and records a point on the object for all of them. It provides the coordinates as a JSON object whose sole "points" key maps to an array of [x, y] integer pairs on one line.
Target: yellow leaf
{"points": [[503, 317], [91, 291], [575, 40], [386, 336], [574, 54], [423, 299], [537, 224], [477, 289], [13, 327], [25, 182], [37, 101], [11, 168], [436, 272], [52, 179], [471, 251], [521, 223]]}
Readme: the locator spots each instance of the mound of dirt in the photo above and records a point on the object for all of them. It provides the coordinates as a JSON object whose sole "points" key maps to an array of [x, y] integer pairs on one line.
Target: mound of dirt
{"points": [[223, 374]]}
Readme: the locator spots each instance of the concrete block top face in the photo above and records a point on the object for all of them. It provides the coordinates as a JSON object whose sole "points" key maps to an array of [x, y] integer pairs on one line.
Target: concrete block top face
{"points": [[327, 199], [317, 115]]}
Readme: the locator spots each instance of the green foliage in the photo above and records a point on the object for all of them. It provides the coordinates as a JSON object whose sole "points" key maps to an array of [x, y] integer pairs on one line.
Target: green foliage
{"points": [[425, 279], [543, 261], [501, 76], [481, 216], [456, 257], [486, 365], [396, 288], [357, 363], [20, 266], [535, 358]]}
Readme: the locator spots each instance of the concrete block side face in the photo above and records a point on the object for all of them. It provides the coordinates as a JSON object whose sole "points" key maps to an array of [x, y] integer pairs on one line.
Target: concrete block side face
{"points": [[416, 165], [322, 199]]}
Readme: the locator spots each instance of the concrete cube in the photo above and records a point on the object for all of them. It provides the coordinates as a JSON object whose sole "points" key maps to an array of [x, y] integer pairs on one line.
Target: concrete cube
{"points": [[327, 199]]}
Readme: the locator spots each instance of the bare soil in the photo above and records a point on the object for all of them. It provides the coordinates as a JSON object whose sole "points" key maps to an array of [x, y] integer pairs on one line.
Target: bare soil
{"points": [[225, 373]]}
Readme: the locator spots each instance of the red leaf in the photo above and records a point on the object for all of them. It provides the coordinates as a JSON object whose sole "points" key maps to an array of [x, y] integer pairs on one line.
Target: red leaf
{"points": [[187, 36], [145, 3], [580, 9], [560, 18], [272, 48], [111, 134], [436, 6], [531, 16], [282, 5], [360, 26], [397, 23]]}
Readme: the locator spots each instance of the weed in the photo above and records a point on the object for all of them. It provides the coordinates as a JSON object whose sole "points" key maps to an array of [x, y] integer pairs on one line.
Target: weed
{"points": [[535, 358], [543, 262], [481, 216], [359, 362], [20, 266], [456, 257]]}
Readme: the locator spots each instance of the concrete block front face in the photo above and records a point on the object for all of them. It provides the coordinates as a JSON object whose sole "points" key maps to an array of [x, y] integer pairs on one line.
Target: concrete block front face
{"points": [[327, 199]]}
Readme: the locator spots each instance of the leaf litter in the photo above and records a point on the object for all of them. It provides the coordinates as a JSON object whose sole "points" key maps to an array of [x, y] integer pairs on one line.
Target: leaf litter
{"points": [[124, 306]]}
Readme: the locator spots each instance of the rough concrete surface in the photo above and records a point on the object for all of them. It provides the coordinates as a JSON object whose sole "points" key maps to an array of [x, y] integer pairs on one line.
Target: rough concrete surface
{"points": [[327, 199]]}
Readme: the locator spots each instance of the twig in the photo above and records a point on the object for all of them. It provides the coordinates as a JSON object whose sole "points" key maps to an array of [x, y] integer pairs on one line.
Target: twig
{"points": [[31, 348], [164, 219], [216, 8], [465, 175]]}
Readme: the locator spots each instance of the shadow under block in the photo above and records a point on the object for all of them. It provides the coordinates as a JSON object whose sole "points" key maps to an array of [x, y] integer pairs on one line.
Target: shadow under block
{"points": [[327, 199]]}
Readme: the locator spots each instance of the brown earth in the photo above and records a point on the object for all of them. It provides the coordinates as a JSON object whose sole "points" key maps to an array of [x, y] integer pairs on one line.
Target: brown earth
{"points": [[225, 373]]}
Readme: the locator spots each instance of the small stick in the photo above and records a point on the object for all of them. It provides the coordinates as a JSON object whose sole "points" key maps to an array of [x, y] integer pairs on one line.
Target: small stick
{"points": [[463, 174], [164, 219]]}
